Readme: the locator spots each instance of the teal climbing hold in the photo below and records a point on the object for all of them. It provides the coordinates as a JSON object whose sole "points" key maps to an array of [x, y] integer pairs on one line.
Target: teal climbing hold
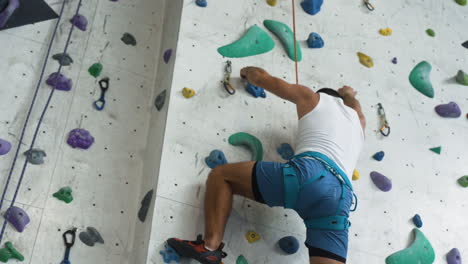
{"points": [[420, 252], [241, 260], [437, 150], [286, 36], [251, 142], [255, 41], [420, 79]]}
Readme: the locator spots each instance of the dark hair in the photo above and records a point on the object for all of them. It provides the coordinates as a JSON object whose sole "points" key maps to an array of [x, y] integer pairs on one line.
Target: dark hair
{"points": [[330, 91]]}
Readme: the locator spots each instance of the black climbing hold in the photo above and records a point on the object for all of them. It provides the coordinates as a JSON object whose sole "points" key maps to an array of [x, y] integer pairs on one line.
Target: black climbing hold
{"points": [[35, 156], [28, 12], [160, 100], [465, 44], [145, 204], [91, 236], [63, 59], [128, 39]]}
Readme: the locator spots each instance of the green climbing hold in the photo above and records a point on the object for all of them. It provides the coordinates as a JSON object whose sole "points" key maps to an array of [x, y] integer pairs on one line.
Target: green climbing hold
{"points": [[463, 181], [461, 2], [420, 79], [462, 78], [437, 150], [255, 41], [241, 260], [64, 194], [420, 252], [250, 142], [95, 69], [430, 32], [9, 252], [286, 36]]}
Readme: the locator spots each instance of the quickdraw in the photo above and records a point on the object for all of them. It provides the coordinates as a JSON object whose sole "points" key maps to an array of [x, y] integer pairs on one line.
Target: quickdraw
{"points": [[68, 244], [227, 79], [101, 102], [369, 5], [384, 128]]}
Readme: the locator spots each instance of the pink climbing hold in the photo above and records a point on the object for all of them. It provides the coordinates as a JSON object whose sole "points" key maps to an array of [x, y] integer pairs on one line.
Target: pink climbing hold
{"points": [[383, 183], [451, 110]]}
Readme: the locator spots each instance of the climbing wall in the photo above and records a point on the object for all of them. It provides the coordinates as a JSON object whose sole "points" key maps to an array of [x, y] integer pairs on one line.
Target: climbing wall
{"points": [[107, 178], [423, 182]]}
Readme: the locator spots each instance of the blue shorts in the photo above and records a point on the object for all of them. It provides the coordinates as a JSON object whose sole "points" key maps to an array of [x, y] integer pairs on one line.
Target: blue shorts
{"points": [[320, 198]]}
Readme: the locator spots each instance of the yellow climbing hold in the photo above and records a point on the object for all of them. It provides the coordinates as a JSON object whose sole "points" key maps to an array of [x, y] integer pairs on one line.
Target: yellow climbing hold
{"points": [[365, 60], [385, 31], [272, 2], [252, 236], [356, 175], [188, 93]]}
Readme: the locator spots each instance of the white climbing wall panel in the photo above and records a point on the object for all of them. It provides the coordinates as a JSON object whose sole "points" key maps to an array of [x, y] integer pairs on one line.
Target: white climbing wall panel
{"points": [[424, 182]]}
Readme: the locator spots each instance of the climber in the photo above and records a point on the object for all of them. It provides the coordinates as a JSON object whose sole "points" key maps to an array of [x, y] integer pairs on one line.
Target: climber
{"points": [[314, 183]]}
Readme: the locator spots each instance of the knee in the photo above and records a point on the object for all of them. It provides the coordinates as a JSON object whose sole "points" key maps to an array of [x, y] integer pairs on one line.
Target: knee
{"points": [[217, 174]]}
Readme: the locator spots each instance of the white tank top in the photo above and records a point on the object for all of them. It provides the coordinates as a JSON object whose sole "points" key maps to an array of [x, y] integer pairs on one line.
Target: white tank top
{"points": [[333, 129]]}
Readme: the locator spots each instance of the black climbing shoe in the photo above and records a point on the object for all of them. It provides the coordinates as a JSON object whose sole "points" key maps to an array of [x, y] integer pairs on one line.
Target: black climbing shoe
{"points": [[196, 250]]}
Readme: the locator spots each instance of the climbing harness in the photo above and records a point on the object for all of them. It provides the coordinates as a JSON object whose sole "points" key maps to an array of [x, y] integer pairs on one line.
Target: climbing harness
{"points": [[369, 5], [28, 115], [384, 127], [292, 189], [68, 244], [101, 102], [227, 78]]}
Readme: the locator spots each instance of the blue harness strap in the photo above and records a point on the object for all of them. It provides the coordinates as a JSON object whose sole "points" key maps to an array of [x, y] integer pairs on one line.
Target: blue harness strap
{"points": [[292, 189]]}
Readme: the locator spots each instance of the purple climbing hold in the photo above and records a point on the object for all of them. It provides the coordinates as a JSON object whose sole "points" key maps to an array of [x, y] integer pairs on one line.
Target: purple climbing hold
{"points": [[448, 110], [382, 182], [395, 60], [8, 10], [167, 55], [59, 82], [80, 22], [5, 147], [17, 217], [80, 138], [454, 256]]}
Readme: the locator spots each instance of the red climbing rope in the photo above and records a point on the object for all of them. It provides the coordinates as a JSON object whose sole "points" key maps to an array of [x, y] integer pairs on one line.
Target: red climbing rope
{"points": [[294, 31]]}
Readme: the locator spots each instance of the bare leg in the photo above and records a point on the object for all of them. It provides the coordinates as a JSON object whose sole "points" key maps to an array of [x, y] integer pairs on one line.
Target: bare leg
{"points": [[223, 182]]}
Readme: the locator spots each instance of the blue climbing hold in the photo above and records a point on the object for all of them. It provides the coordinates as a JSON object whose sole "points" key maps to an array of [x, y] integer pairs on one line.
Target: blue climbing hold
{"points": [[201, 3], [255, 90], [286, 151], [315, 41], [289, 245], [379, 156], [215, 159], [417, 221], [312, 7], [169, 255]]}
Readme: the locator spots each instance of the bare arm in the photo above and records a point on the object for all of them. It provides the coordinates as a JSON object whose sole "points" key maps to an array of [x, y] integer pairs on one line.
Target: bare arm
{"points": [[349, 98], [304, 98]]}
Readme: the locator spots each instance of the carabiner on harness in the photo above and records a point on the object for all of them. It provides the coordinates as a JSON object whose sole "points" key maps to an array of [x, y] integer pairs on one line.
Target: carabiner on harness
{"points": [[384, 126], [227, 79], [369, 5]]}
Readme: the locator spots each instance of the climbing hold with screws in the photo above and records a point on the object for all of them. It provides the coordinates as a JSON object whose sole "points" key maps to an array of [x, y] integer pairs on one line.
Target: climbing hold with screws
{"points": [[463, 181], [420, 79], [285, 151], [17, 217], [386, 31], [315, 41], [215, 159], [462, 78], [188, 93], [167, 55], [95, 69], [420, 251], [286, 36], [9, 252], [249, 141], [5, 147], [255, 41], [255, 91], [80, 22], [160, 100], [437, 150], [454, 256], [289, 245], [382, 182], [59, 82], [35, 156], [365, 60], [451, 110], [312, 7], [417, 221], [80, 138], [252, 236], [128, 39], [63, 59], [169, 255], [91, 236], [201, 3], [379, 156], [64, 194]]}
